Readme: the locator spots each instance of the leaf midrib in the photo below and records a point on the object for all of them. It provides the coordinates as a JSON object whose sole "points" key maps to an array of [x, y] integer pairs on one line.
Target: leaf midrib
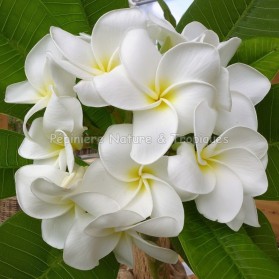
{"points": [[245, 12]]}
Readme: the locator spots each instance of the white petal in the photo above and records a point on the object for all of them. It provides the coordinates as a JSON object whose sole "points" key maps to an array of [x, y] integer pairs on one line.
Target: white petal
{"points": [[58, 115], [115, 149], [63, 81], [186, 175], [251, 213], [40, 147], [94, 203], [225, 201], [88, 94], [83, 251], [159, 169], [227, 50], [22, 93], [118, 220], [29, 203], [188, 62], [35, 63], [117, 89], [193, 30], [75, 49], [223, 92], [159, 227], [185, 98], [166, 202], [73, 69], [204, 123], [160, 29], [242, 113], [209, 37], [42, 103], [69, 154], [49, 192], [110, 30], [154, 251], [140, 57], [97, 179], [238, 137], [248, 214], [55, 230], [247, 167], [248, 81], [124, 251], [156, 129], [142, 196]]}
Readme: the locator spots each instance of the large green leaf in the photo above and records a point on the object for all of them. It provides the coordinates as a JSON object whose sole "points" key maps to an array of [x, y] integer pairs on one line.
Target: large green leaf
{"points": [[215, 251], [268, 116], [25, 255], [260, 53], [10, 161], [241, 18], [24, 22]]}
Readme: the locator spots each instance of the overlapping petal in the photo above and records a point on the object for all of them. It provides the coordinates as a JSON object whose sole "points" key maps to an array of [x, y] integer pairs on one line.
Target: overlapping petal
{"points": [[75, 49], [157, 136], [115, 149], [184, 98], [29, 202], [247, 167], [110, 29], [187, 176], [141, 58], [224, 203], [242, 113], [188, 62], [118, 90], [159, 253], [22, 93], [35, 66], [248, 81], [88, 94], [56, 230], [238, 137], [106, 184]]}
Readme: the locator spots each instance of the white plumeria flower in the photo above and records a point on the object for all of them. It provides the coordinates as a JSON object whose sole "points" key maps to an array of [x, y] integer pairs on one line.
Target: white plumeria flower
{"points": [[56, 136], [140, 188], [43, 76], [88, 242], [162, 91], [224, 175], [247, 86], [89, 59], [195, 31], [54, 196]]}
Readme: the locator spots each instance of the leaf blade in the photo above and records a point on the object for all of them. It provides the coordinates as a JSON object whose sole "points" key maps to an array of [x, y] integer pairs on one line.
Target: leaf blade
{"points": [[241, 18], [21, 243], [212, 248]]}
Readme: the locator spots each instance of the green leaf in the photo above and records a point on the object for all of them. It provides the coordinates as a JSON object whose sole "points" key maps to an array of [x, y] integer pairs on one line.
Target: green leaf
{"points": [[10, 161], [98, 117], [167, 12], [241, 18], [24, 22], [264, 237], [268, 116], [215, 251], [260, 53], [95, 9], [25, 255]]}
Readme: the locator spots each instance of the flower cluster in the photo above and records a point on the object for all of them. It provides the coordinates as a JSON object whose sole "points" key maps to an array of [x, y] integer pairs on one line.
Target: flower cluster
{"points": [[174, 85]]}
